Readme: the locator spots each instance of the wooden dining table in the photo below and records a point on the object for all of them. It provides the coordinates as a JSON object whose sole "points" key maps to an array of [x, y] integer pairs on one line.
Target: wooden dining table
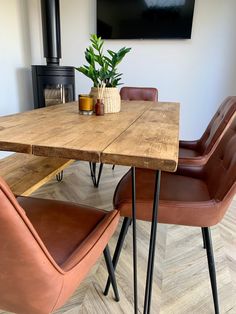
{"points": [[143, 134]]}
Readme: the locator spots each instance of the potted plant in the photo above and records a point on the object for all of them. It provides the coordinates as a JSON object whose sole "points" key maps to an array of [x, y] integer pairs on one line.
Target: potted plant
{"points": [[102, 70]]}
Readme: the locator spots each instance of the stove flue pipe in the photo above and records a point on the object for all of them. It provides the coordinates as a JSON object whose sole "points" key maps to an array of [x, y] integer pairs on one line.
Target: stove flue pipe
{"points": [[50, 10]]}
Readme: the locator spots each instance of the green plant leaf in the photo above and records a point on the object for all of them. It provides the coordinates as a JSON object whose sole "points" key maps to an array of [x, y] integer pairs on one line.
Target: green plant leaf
{"points": [[102, 68]]}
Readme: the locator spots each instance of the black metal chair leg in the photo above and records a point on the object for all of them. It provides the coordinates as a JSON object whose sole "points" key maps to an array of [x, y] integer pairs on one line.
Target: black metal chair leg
{"points": [[111, 272], [99, 175], [211, 266], [59, 176], [203, 238], [113, 167], [119, 246]]}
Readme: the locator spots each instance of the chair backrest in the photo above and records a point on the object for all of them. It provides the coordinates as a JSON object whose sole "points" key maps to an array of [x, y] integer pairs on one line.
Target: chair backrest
{"points": [[217, 125], [29, 281], [220, 170], [139, 93]]}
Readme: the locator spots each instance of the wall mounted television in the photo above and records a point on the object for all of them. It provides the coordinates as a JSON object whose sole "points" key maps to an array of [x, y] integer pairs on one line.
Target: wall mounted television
{"points": [[145, 19]]}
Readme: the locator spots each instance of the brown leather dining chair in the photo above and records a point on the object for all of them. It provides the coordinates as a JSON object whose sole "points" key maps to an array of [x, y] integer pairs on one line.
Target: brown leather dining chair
{"points": [[139, 93], [197, 152], [195, 195], [126, 93], [47, 248]]}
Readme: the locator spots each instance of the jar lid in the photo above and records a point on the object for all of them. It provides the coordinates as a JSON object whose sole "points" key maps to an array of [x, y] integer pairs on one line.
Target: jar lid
{"points": [[85, 95]]}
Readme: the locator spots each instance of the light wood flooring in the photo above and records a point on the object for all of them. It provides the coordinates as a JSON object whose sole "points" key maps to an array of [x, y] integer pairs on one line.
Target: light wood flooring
{"points": [[181, 281]]}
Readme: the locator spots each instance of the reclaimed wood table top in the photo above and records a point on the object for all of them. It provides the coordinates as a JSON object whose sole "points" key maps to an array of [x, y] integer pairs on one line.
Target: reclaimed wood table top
{"points": [[143, 134]]}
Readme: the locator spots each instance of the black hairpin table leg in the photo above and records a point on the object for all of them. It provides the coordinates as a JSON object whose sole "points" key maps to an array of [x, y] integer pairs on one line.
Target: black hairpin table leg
{"points": [[92, 166], [152, 246], [59, 176], [99, 175], [134, 241]]}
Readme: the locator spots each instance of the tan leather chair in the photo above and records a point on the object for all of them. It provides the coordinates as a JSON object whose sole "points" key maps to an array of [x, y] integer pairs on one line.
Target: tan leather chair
{"points": [[193, 196], [47, 248], [126, 93], [198, 152], [139, 93]]}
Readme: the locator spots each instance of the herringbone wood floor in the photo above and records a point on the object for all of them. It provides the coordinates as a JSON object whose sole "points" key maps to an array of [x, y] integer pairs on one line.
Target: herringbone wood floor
{"points": [[181, 281]]}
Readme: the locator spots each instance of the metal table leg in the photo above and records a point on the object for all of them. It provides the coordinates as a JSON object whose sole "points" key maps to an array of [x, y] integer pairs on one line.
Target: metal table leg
{"points": [[99, 175], [152, 246], [152, 243], [134, 240], [59, 176], [93, 167]]}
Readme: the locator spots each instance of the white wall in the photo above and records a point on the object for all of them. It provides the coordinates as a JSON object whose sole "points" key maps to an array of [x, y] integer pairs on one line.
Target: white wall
{"points": [[15, 58]]}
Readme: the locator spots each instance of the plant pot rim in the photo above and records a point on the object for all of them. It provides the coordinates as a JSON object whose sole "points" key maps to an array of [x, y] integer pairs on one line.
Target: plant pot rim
{"points": [[104, 87]]}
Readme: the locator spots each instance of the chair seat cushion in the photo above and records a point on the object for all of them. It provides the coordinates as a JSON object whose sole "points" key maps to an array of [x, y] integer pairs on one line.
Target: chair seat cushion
{"points": [[63, 227], [183, 199]]}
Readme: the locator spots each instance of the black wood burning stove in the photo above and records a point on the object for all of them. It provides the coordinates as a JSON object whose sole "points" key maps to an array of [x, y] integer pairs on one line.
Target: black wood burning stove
{"points": [[52, 84]]}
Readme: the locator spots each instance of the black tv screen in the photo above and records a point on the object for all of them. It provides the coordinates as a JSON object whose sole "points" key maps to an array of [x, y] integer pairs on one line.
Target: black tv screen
{"points": [[132, 19]]}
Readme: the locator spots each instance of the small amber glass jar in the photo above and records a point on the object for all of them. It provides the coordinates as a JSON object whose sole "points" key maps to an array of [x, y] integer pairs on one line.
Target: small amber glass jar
{"points": [[99, 108], [85, 104]]}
